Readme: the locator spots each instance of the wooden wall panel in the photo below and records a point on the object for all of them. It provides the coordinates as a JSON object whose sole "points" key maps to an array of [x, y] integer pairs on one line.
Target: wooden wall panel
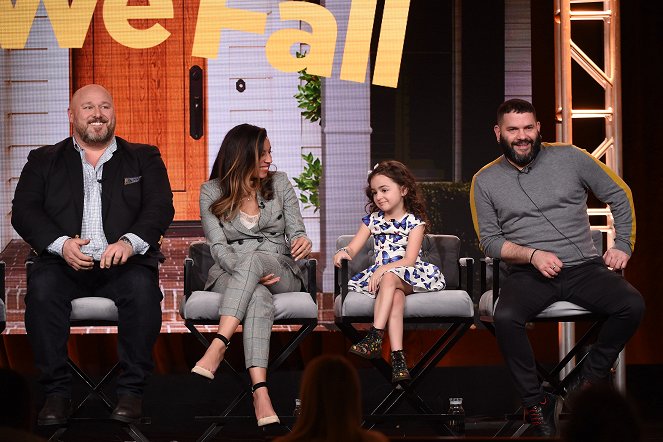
{"points": [[150, 89]]}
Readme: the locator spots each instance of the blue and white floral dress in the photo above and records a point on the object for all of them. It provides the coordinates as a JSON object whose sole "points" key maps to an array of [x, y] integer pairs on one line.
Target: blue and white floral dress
{"points": [[390, 242]]}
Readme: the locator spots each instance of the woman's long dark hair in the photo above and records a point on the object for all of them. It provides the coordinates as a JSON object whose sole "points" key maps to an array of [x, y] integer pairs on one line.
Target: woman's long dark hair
{"points": [[331, 402], [398, 173], [236, 164]]}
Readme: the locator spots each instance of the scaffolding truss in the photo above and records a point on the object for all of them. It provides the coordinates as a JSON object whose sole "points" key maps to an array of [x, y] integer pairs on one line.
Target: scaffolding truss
{"points": [[608, 76]]}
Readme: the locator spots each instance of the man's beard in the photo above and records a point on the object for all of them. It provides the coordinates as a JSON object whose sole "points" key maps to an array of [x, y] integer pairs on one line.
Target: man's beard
{"points": [[92, 137], [521, 160]]}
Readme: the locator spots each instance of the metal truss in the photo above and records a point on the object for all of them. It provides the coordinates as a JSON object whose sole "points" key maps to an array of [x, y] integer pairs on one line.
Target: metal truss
{"points": [[608, 77]]}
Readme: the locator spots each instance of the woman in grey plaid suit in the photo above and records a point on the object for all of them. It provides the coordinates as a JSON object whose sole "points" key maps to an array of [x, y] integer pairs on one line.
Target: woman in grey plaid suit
{"points": [[255, 231]]}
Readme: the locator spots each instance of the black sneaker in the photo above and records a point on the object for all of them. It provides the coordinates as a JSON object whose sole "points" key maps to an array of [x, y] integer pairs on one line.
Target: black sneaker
{"points": [[544, 416]]}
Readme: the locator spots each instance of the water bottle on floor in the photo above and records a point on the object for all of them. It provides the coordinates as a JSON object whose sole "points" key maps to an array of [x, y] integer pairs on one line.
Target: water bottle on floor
{"points": [[457, 422], [298, 408]]}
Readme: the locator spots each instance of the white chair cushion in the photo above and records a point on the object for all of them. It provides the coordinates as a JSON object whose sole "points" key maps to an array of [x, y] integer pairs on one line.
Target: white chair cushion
{"points": [[204, 305], [93, 308], [557, 310], [443, 303]]}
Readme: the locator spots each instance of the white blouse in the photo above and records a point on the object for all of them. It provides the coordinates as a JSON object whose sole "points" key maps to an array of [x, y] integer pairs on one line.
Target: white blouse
{"points": [[249, 221]]}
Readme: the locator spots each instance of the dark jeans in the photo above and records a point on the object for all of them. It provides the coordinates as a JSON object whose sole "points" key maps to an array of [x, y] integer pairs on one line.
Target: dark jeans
{"points": [[134, 288], [591, 285]]}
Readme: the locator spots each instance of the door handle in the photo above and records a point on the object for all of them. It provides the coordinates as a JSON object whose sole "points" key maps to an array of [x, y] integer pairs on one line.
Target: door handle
{"points": [[196, 109]]}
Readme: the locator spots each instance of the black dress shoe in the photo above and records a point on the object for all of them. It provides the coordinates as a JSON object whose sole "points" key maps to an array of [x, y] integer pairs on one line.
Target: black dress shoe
{"points": [[128, 408], [55, 411]]}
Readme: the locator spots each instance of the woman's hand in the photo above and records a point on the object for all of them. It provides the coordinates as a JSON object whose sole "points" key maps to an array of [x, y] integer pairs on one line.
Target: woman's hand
{"points": [[300, 248], [268, 280], [340, 256]]}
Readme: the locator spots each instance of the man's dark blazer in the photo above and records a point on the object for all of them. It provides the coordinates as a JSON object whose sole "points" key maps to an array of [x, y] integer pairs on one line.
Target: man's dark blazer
{"points": [[135, 197]]}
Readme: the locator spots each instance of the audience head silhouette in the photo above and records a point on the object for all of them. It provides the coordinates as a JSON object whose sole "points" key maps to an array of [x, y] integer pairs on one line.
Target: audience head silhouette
{"points": [[601, 414], [331, 404]]}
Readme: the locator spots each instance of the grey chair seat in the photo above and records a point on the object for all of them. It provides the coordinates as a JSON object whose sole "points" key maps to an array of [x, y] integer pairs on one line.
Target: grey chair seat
{"points": [[93, 309], [204, 306], [559, 309], [440, 304]]}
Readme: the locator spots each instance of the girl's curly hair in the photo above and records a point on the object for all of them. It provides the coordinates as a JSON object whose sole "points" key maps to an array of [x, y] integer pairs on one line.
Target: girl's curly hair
{"points": [[398, 173]]}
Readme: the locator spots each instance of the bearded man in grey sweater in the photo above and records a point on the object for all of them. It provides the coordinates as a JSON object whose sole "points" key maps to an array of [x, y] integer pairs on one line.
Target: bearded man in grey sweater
{"points": [[529, 208]]}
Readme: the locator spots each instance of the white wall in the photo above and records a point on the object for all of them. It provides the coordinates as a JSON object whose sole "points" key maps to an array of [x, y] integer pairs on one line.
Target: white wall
{"points": [[34, 95], [346, 151]]}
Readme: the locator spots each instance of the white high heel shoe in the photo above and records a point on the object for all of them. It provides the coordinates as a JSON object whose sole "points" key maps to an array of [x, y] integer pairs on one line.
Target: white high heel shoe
{"points": [[201, 371], [267, 420]]}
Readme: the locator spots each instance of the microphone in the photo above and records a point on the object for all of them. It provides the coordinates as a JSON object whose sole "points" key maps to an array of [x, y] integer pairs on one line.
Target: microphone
{"points": [[525, 169], [261, 205]]}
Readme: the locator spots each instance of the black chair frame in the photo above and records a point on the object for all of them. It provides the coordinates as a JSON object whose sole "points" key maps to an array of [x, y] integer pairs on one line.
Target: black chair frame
{"points": [[455, 327], [550, 378], [306, 326], [95, 388]]}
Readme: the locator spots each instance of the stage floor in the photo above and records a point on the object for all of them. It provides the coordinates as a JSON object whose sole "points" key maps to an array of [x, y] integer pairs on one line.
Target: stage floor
{"points": [[172, 401]]}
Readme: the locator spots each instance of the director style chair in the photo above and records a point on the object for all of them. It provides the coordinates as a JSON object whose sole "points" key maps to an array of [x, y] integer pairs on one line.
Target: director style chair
{"points": [[555, 379], [93, 311], [201, 308], [451, 309]]}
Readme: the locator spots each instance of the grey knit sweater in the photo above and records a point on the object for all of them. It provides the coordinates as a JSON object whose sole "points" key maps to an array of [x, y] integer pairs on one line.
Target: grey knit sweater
{"points": [[508, 204]]}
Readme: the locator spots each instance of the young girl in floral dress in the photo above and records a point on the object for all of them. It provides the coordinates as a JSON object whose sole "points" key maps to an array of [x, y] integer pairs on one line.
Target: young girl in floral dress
{"points": [[397, 221]]}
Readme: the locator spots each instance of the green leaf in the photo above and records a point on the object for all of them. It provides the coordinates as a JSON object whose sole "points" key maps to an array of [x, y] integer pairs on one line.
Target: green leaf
{"points": [[308, 182]]}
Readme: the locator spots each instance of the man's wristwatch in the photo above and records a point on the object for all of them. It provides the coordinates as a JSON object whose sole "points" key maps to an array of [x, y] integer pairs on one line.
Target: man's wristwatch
{"points": [[126, 240]]}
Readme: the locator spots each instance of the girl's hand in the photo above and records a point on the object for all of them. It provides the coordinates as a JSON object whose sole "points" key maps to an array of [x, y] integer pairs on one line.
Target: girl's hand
{"points": [[374, 280], [341, 255], [268, 280]]}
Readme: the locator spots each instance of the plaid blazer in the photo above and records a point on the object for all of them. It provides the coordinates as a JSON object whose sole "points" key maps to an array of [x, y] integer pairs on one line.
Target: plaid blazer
{"points": [[280, 222]]}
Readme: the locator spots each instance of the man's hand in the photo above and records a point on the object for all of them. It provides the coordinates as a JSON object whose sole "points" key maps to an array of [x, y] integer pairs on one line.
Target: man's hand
{"points": [[116, 254], [547, 263], [300, 248], [71, 252], [615, 259]]}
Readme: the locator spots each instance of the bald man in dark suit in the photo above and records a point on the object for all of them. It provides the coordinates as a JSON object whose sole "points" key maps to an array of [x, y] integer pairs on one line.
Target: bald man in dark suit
{"points": [[94, 209]]}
